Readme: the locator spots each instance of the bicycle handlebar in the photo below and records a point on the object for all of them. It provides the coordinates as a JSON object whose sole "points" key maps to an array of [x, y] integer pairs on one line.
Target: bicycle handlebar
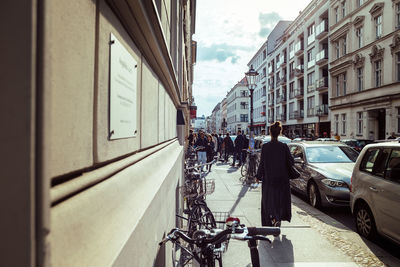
{"points": [[241, 233]]}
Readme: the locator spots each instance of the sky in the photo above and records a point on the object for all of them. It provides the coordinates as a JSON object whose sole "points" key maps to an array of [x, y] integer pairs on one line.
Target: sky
{"points": [[228, 34]]}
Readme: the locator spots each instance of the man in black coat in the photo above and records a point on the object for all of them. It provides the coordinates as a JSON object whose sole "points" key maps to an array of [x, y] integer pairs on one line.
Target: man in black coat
{"points": [[228, 146], [239, 145]]}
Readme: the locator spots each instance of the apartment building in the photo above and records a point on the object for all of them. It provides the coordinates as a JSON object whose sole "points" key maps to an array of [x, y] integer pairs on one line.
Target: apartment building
{"points": [[258, 63], [237, 107], [298, 74], [364, 66]]}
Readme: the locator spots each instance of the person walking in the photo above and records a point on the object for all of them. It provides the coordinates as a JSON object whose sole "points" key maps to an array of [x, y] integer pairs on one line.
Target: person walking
{"points": [[190, 137], [273, 171], [228, 146], [201, 153], [220, 141], [210, 149], [239, 145]]}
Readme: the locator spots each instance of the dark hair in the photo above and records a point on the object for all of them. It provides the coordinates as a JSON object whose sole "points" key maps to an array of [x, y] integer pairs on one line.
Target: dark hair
{"points": [[275, 129]]}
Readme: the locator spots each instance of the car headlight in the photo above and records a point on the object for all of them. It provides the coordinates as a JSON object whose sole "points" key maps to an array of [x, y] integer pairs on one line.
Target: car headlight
{"points": [[334, 183]]}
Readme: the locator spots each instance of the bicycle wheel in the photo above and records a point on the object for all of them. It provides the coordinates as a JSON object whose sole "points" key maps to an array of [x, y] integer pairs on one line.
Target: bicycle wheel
{"points": [[200, 218], [180, 255], [244, 170]]}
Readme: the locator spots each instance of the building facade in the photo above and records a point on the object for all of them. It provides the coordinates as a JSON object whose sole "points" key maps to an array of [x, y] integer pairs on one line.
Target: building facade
{"points": [[364, 66], [95, 94], [297, 70], [238, 107]]}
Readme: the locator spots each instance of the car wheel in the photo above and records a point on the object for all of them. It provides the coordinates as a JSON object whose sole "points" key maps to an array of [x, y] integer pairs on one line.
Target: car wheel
{"points": [[365, 222], [314, 198]]}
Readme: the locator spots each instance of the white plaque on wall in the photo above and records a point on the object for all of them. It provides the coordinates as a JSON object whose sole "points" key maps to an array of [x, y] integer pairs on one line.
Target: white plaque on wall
{"points": [[123, 87]]}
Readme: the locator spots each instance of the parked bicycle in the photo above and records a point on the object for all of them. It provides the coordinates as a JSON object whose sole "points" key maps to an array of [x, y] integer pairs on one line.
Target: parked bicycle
{"points": [[206, 246], [249, 168]]}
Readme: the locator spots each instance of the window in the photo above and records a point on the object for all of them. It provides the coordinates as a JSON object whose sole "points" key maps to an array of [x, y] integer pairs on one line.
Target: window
{"points": [[344, 83], [378, 73], [398, 120], [310, 55], [244, 117], [359, 123], [360, 79], [264, 91], [392, 171], [378, 26], [398, 66], [360, 3], [310, 30], [243, 93], [343, 9], [244, 105], [336, 124], [264, 54], [310, 81], [344, 46], [310, 106], [397, 8], [343, 123], [337, 50], [337, 86], [336, 14], [359, 35]]}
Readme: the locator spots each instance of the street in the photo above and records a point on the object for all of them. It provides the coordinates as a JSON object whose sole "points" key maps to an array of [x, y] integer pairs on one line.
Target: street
{"points": [[312, 237]]}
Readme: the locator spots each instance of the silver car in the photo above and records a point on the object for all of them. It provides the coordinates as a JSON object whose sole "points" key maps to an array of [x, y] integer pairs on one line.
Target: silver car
{"points": [[375, 191], [325, 169]]}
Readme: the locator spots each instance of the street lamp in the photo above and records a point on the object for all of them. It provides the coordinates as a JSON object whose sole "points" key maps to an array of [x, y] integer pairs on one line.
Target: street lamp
{"points": [[319, 114], [251, 84]]}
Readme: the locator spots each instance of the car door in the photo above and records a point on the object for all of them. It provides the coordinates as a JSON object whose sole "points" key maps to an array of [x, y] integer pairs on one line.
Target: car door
{"points": [[388, 196]]}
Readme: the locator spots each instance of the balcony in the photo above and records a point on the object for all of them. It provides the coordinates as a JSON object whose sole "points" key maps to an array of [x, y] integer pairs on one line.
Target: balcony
{"points": [[322, 84], [299, 93], [299, 71], [270, 70], [299, 48], [311, 63], [298, 114], [291, 95], [283, 80], [271, 86], [311, 88], [322, 110], [311, 39], [291, 54], [282, 117], [270, 102], [321, 30], [322, 57], [282, 59], [291, 75], [281, 99], [310, 112]]}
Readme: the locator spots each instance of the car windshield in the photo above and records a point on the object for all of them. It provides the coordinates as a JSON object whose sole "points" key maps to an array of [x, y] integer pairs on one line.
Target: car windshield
{"points": [[331, 154]]}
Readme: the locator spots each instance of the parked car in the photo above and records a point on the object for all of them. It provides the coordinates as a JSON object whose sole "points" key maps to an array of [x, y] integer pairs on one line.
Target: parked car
{"points": [[281, 138], [375, 191], [364, 142], [352, 143], [325, 169]]}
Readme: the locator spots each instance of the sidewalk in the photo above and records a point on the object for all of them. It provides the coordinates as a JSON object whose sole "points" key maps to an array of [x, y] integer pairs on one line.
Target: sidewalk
{"points": [[310, 239]]}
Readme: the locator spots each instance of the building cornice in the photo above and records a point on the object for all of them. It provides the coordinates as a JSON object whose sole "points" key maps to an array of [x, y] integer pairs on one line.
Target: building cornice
{"points": [[334, 36]]}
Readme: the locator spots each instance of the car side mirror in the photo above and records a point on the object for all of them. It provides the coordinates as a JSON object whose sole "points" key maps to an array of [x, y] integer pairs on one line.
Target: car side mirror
{"points": [[298, 160]]}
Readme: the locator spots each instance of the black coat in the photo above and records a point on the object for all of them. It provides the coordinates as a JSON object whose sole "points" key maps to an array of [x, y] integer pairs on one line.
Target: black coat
{"points": [[239, 143], [273, 172], [228, 144]]}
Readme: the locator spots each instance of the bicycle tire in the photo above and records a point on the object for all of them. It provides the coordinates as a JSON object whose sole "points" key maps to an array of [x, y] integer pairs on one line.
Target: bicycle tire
{"points": [[201, 217], [180, 257], [244, 170]]}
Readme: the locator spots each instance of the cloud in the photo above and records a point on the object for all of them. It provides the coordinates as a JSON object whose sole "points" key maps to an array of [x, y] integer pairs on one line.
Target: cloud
{"points": [[268, 22], [219, 52]]}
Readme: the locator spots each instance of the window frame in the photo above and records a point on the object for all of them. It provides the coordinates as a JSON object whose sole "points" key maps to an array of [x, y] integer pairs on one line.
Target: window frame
{"points": [[359, 34], [360, 122], [343, 119], [378, 26], [378, 73], [360, 78]]}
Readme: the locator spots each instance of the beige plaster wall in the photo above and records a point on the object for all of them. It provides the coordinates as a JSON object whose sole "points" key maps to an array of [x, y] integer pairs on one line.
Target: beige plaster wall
{"points": [[69, 45], [121, 220], [104, 148]]}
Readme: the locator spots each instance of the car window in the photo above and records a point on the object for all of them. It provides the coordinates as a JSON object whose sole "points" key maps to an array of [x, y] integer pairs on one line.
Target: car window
{"points": [[374, 161], [327, 154], [393, 166], [351, 153], [297, 152]]}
